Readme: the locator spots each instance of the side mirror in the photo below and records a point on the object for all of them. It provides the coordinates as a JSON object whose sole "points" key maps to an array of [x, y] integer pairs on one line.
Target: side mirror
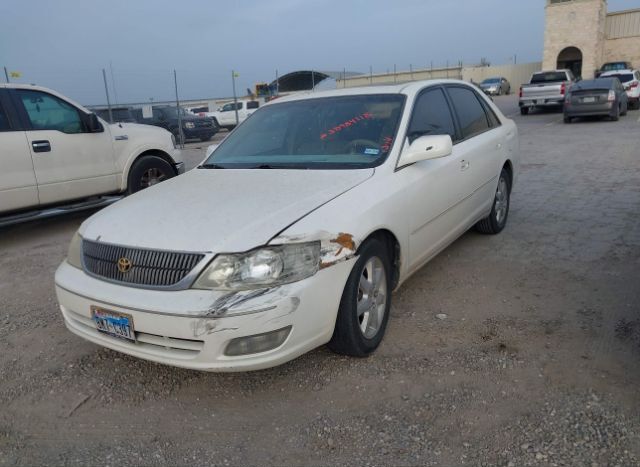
{"points": [[93, 124], [425, 148]]}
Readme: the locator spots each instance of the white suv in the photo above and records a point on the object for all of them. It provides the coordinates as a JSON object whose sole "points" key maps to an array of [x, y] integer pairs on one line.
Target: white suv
{"points": [[56, 155], [630, 79]]}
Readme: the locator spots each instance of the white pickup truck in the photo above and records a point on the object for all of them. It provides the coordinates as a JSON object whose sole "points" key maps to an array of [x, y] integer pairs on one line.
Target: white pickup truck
{"points": [[545, 89], [225, 116], [57, 156]]}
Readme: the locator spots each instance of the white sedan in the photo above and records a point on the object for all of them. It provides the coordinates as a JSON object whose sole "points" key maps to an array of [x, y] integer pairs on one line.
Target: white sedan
{"points": [[294, 232]]}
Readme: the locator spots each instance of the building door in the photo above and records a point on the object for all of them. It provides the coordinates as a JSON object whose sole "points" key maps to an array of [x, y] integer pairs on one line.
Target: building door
{"points": [[571, 59]]}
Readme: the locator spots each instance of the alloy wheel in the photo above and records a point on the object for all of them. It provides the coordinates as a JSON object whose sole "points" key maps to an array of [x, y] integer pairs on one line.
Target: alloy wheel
{"points": [[372, 297]]}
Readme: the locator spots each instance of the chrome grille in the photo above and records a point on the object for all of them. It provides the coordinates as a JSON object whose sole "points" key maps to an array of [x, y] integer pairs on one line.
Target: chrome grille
{"points": [[152, 268]]}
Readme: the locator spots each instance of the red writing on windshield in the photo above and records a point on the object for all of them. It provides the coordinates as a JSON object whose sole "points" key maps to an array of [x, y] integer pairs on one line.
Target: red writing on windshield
{"points": [[386, 144], [347, 124]]}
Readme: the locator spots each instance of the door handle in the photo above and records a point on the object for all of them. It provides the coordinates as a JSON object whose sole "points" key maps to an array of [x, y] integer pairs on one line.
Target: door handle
{"points": [[41, 146], [464, 164]]}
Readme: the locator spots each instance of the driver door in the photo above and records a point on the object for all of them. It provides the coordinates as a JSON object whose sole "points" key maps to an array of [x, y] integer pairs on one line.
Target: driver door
{"points": [[69, 161]]}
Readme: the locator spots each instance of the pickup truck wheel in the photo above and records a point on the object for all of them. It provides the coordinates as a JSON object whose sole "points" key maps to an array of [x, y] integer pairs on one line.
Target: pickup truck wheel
{"points": [[365, 304], [497, 219], [567, 119], [206, 138], [524, 110], [148, 171]]}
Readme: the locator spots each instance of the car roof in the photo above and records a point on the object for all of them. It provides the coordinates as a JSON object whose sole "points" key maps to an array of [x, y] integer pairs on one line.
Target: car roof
{"points": [[408, 89]]}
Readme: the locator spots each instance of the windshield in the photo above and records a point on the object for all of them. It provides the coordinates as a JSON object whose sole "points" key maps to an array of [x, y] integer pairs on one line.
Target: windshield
{"points": [[549, 77], [170, 112], [614, 66], [491, 81], [324, 133]]}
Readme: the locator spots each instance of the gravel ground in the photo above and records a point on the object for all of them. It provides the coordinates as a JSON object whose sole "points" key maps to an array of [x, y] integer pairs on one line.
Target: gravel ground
{"points": [[515, 350]]}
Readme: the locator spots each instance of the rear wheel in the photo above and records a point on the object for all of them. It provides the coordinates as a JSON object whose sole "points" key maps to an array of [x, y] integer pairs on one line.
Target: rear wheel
{"points": [[567, 119], [148, 171], [616, 115], [497, 218], [626, 109], [365, 303], [524, 110]]}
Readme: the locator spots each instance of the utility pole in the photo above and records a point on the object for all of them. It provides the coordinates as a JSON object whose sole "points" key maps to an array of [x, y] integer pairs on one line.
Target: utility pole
{"points": [[180, 133], [6, 74], [235, 98], [411, 71], [106, 90], [370, 74], [395, 76]]}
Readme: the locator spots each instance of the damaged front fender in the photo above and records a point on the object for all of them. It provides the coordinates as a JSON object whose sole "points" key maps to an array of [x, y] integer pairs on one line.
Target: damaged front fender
{"points": [[334, 248]]}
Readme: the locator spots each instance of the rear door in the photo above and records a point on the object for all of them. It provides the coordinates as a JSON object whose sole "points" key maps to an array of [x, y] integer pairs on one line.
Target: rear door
{"points": [[69, 161], [18, 187], [480, 150]]}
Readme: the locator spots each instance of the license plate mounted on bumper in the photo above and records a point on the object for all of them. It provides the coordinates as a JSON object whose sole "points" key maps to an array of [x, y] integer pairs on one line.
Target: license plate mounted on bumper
{"points": [[113, 323]]}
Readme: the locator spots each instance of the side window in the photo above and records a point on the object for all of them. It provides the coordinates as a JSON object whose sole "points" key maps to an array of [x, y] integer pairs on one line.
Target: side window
{"points": [[253, 105], [47, 112], [4, 120], [494, 121], [431, 116], [471, 115], [239, 105]]}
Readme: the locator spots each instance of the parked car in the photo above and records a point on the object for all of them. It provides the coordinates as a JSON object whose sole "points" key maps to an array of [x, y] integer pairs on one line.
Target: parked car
{"points": [[225, 116], [545, 89], [630, 79], [602, 96], [193, 127], [496, 86], [613, 66], [57, 156], [119, 114], [295, 231]]}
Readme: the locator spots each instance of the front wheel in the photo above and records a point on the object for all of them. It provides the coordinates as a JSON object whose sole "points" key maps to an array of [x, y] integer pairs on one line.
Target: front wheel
{"points": [[524, 110], [148, 171], [365, 303], [497, 218]]}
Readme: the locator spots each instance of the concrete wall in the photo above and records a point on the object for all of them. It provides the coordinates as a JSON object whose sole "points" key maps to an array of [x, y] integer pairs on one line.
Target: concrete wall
{"points": [[575, 23], [516, 74], [403, 76], [626, 49]]}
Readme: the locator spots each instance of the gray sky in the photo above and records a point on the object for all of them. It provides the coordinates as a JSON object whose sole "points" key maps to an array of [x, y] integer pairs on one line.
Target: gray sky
{"points": [[64, 44]]}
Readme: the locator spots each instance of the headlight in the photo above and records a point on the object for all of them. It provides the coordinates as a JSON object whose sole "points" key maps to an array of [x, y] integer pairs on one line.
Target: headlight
{"points": [[264, 267], [189, 125], [74, 256]]}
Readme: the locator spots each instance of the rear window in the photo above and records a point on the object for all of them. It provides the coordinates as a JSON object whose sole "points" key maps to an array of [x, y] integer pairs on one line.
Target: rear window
{"points": [[548, 77], [623, 77], [614, 66], [253, 105]]}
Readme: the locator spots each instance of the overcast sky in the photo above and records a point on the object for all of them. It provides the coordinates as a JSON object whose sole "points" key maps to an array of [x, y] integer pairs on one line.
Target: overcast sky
{"points": [[65, 44]]}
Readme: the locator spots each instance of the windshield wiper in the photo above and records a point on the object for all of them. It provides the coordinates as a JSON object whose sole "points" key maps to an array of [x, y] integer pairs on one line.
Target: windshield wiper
{"points": [[210, 166]]}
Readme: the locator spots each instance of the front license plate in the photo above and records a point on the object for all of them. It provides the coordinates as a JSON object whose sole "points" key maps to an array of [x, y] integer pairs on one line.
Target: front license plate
{"points": [[113, 323], [589, 100]]}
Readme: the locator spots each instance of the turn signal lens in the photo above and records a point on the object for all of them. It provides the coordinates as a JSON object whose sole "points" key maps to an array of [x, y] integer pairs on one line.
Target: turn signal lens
{"points": [[257, 343]]}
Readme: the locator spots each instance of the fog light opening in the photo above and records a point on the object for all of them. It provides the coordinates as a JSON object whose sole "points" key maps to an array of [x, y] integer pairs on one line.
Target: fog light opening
{"points": [[257, 343]]}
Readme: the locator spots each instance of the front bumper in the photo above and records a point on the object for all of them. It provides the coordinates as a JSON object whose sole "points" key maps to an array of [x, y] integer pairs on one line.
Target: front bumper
{"points": [[191, 328], [199, 133]]}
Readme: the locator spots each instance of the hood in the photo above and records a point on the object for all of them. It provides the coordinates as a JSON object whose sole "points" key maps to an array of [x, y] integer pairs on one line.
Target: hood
{"points": [[118, 128], [212, 210]]}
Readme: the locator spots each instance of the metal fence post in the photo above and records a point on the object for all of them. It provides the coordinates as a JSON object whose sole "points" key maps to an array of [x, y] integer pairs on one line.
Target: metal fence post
{"points": [[106, 90], [180, 133], [235, 98], [6, 74]]}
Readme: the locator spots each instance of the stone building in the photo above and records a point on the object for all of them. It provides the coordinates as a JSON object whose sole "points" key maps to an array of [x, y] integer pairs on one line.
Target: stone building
{"points": [[582, 35]]}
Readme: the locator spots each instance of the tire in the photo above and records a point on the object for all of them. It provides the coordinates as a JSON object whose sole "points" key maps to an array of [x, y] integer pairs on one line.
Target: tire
{"points": [[567, 119], [626, 110], [495, 222], [349, 338], [524, 110], [148, 171], [616, 116], [206, 138]]}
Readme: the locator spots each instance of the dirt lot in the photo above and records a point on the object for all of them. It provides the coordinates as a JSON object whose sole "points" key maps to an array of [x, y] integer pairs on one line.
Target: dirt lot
{"points": [[536, 363]]}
